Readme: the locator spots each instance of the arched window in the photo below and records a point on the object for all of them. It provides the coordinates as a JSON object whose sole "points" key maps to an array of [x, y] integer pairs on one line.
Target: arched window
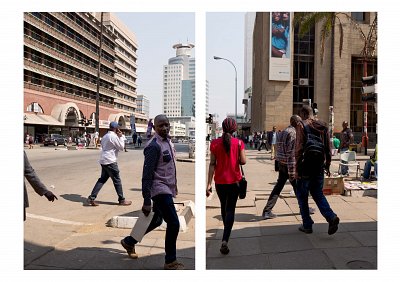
{"points": [[34, 107]]}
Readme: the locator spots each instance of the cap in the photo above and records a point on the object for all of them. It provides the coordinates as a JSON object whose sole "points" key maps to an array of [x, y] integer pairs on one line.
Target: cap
{"points": [[114, 125]]}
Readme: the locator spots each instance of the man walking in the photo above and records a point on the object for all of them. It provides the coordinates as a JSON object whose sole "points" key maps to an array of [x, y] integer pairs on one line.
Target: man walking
{"points": [[263, 141], [111, 143], [313, 155], [159, 186], [285, 156]]}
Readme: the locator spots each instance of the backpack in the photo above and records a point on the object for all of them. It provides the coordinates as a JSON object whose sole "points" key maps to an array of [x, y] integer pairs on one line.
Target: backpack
{"points": [[313, 152]]}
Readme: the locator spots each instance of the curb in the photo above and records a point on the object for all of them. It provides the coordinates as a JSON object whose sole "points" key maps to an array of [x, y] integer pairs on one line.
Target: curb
{"points": [[184, 215]]}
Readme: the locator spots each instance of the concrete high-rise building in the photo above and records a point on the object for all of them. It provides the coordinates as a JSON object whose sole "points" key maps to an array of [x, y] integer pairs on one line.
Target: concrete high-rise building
{"points": [[126, 67], [143, 105], [248, 63], [179, 83], [274, 101], [60, 73]]}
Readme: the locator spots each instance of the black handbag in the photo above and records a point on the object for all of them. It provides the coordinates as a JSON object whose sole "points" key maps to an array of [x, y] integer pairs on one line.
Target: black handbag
{"points": [[243, 182]]}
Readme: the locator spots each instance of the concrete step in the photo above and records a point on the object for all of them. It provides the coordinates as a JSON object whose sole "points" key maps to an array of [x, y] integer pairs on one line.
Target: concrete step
{"points": [[185, 211]]}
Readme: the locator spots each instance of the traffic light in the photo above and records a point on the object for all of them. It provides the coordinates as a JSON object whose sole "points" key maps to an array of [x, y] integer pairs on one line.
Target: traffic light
{"points": [[369, 88]]}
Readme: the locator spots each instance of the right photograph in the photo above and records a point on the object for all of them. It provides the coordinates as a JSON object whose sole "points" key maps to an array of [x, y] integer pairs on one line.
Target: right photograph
{"points": [[291, 156]]}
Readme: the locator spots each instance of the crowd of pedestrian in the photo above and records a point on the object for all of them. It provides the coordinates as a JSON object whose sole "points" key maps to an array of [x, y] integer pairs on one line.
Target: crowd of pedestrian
{"points": [[302, 154]]}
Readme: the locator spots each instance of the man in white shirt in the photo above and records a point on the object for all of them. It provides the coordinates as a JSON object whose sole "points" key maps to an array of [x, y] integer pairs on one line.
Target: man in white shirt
{"points": [[111, 143]]}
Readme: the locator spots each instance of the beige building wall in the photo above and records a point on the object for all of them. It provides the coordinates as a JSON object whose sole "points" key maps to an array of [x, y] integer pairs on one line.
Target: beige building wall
{"points": [[272, 101]]}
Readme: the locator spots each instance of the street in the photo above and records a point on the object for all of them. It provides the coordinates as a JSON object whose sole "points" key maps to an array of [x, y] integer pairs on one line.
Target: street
{"points": [[68, 234]]}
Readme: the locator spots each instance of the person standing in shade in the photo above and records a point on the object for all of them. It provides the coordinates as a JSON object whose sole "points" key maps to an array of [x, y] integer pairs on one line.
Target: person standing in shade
{"points": [[272, 141], [346, 138], [159, 185], [36, 183], [227, 153], [111, 144], [310, 175], [139, 141]]}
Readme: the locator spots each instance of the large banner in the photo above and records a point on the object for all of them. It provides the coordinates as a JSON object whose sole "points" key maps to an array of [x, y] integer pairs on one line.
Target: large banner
{"points": [[279, 51]]}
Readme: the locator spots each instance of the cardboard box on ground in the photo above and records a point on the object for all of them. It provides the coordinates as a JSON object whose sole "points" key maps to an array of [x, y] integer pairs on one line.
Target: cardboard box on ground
{"points": [[333, 186]]}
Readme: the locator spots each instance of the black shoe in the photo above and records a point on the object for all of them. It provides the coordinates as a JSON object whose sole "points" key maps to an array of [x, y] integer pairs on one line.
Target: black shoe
{"points": [[224, 249], [129, 249], [305, 230], [333, 225]]}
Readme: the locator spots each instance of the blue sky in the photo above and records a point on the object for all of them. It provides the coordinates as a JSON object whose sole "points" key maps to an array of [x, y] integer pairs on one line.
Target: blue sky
{"points": [[156, 33], [225, 38]]}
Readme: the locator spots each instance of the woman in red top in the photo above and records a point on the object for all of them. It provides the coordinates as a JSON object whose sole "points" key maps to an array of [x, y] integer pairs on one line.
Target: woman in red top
{"points": [[227, 153]]}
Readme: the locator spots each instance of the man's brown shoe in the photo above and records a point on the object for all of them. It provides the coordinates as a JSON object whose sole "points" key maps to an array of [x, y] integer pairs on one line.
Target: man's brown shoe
{"points": [[92, 203], [125, 203], [175, 265], [129, 249]]}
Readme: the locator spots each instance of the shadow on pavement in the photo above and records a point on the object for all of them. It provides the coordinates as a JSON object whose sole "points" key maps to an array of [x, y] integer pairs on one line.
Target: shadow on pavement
{"points": [[353, 246], [97, 258]]}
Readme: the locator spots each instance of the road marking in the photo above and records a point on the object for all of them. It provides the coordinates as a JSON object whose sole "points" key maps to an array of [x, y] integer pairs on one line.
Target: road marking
{"points": [[56, 220]]}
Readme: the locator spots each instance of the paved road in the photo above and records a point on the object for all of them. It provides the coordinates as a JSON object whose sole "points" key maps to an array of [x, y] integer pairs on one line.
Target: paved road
{"points": [[68, 234]]}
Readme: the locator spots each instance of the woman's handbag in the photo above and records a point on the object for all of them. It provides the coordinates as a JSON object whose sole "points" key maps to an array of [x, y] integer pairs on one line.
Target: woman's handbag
{"points": [[243, 181]]}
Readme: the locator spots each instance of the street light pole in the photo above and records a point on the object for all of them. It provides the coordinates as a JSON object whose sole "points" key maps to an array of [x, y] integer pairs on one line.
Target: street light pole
{"points": [[96, 115], [219, 58]]}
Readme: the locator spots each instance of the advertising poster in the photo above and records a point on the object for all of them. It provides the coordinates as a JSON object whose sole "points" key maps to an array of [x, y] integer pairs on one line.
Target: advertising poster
{"points": [[279, 54]]}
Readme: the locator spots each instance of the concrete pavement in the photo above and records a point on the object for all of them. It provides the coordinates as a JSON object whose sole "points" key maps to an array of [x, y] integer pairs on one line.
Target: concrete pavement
{"points": [[276, 243], [70, 235]]}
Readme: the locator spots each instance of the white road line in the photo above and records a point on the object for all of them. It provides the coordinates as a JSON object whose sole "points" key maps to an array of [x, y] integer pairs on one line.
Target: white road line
{"points": [[56, 220]]}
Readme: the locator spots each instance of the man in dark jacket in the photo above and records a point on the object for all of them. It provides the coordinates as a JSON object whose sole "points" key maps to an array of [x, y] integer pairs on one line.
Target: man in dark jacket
{"points": [[312, 181], [36, 184]]}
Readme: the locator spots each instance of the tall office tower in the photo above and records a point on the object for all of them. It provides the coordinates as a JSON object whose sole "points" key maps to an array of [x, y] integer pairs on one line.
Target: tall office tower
{"points": [[125, 62], [143, 105], [179, 83], [248, 63]]}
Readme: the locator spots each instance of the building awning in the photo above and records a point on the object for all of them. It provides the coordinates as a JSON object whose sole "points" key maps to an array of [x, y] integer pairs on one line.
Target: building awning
{"points": [[40, 119]]}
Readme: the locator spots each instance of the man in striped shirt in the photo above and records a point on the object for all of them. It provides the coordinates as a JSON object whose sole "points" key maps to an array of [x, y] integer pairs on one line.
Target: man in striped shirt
{"points": [[285, 155]]}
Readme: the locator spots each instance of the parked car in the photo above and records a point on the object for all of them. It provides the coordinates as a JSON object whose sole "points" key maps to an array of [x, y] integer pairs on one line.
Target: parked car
{"points": [[54, 139]]}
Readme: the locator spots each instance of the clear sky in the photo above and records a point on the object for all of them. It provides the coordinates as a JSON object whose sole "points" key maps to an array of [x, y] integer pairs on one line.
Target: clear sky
{"points": [[156, 33], [225, 38]]}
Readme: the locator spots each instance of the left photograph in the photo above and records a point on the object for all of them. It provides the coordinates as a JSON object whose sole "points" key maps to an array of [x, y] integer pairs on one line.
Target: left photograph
{"points": [[109, 126]]}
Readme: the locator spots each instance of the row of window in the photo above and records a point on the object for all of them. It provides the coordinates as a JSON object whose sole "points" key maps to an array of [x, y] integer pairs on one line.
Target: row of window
{"points": [[127, 54], [43, 81], [74, 35], [125, 41], [53, 64], [63, 48], [125, 64]]}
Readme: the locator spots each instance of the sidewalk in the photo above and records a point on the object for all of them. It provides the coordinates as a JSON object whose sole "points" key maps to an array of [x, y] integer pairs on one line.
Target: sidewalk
{"points": [[276, 243]]}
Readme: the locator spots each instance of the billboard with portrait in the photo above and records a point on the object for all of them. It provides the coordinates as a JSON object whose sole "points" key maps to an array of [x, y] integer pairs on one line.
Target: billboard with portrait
{"points": [[279, 51]]}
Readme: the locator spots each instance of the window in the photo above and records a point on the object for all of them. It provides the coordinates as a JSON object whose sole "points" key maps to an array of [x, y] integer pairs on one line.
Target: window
{"points": [[34, 107], [358, 16]]}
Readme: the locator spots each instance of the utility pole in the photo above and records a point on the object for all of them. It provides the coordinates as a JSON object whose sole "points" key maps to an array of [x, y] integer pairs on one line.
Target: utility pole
{"points": [[98, 75]]}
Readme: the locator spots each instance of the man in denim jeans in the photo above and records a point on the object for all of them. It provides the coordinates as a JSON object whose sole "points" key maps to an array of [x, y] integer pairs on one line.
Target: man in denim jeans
{"points": [[111, 143], [312, 180], [160, 186]]}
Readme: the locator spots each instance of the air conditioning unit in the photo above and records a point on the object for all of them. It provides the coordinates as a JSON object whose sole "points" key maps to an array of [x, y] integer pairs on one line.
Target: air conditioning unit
{"points": [[303, 81]]}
